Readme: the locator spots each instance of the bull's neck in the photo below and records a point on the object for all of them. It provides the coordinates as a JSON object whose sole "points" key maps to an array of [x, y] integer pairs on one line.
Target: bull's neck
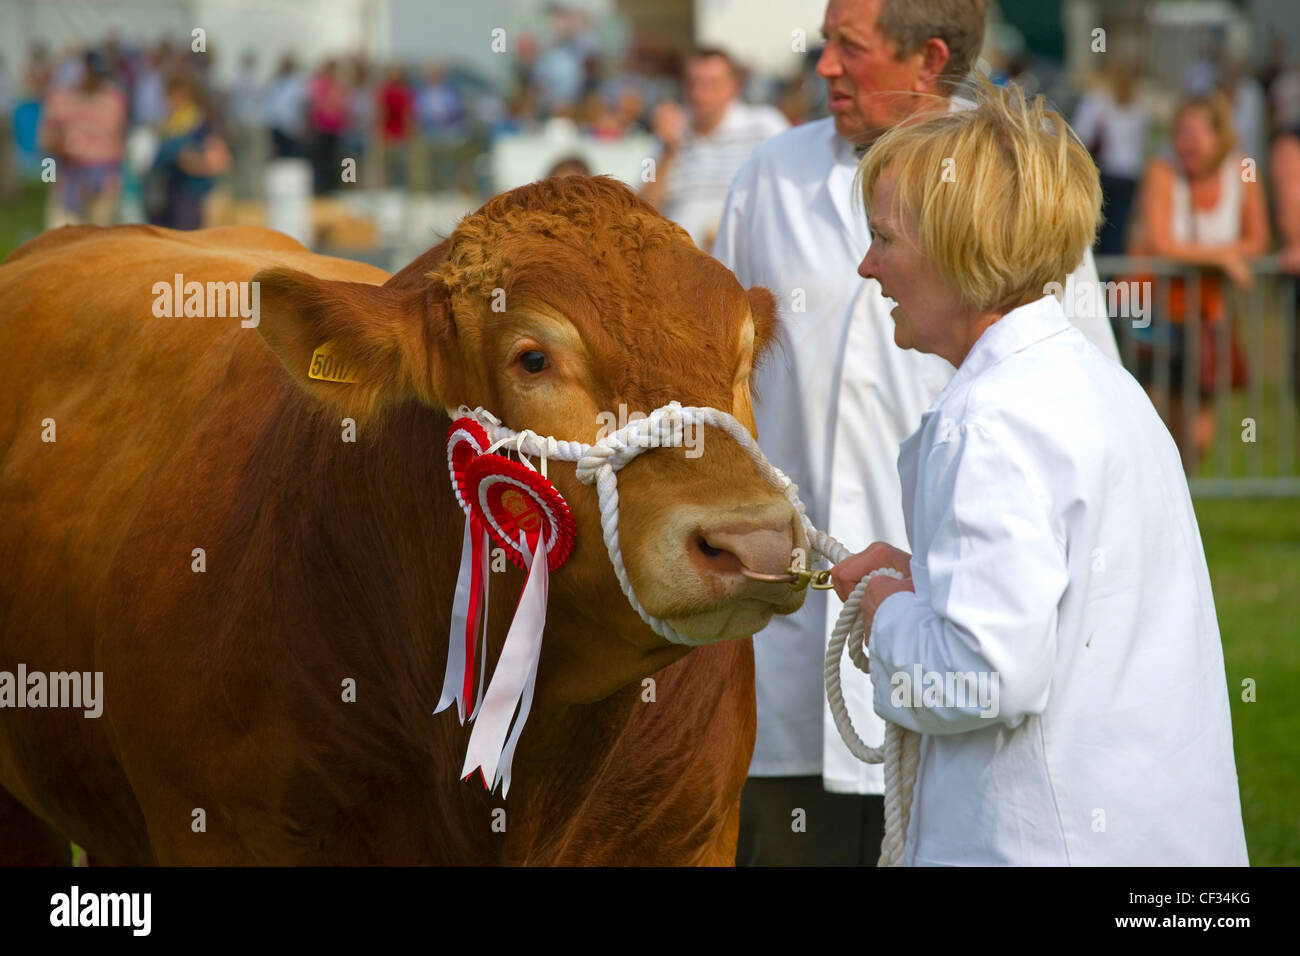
{"points": [[379, 545]]}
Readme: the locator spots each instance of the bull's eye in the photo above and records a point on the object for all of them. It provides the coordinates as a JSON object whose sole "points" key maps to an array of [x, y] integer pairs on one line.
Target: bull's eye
{"points": [[533, 361]]}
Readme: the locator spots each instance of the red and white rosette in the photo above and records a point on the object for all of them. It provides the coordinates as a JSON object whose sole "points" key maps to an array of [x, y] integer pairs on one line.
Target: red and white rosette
{"points": [[515, 502], [465, 442], [526, 515]]}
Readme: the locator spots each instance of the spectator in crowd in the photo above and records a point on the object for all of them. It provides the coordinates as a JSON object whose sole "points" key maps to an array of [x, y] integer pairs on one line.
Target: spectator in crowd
{"points": [[569, 166], [599, 121], [440, 109], [34, 84], [1113, 122], [1284, 98], [1284, 167], [1198, 209], [8, 174], [1274, 64], [70, 68], [149, 92], [327, 117], [520, 115], [834, 405], [39, 72], [361, 118], [443, 118], [1204, 73], [396, 124], [702, 149], [629, 105], [191, 154], [560, 71], [245, 111], [1249, 108], [286, 111], [803, 96], [84, 128]]}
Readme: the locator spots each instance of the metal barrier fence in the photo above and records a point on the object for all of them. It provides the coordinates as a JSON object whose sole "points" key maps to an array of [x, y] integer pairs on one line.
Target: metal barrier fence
{"points": [[1220, 364]]}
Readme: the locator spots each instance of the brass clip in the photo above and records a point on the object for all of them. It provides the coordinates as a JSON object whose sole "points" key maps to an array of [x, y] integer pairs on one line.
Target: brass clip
{"points": [[817, 580]]}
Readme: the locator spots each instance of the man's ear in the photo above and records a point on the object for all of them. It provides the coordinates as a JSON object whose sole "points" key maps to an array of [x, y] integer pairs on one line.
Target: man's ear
{"points": [[355, 346]]}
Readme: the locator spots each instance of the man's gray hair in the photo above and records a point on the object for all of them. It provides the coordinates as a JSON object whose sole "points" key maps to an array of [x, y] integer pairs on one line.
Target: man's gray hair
{"points": [[959, 23]]}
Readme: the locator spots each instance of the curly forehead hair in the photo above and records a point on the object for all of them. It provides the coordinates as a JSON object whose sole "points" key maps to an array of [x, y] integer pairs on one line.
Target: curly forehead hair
{"points": [[596, 215]]}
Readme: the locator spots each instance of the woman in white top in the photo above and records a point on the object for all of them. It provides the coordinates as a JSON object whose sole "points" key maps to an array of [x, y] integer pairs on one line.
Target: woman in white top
{"points": [[1057, 570], [1202, 207]]}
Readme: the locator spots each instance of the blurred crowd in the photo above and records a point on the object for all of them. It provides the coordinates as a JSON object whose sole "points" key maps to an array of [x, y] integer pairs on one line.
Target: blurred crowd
{"points": [[115, 106], [1208, 191]]}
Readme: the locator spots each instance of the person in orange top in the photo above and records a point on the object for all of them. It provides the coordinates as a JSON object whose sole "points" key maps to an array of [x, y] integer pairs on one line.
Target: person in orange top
{"points": [[1200, 208]]}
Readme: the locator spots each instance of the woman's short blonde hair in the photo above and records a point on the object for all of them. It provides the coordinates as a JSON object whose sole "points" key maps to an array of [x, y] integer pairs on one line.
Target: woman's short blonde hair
{"points": [[1005, 197]]}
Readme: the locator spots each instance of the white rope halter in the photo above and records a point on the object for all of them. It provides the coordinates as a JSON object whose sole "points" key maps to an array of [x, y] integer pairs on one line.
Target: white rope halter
{"points": [[665, 427]]}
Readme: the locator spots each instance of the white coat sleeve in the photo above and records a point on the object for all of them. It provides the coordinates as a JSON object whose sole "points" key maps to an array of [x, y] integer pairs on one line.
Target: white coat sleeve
{"points": [[1086, 307], [996, 572]]}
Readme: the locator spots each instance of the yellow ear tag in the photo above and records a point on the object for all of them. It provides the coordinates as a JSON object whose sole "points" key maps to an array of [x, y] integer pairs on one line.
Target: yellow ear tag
{"points": [[328, 365]]}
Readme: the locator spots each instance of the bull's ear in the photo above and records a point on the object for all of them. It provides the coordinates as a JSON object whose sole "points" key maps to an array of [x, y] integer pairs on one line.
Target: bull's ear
{"points": [[355, 346], [762, 306]]}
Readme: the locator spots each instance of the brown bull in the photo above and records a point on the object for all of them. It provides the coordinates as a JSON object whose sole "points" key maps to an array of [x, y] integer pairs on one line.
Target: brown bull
{"points": [[228, 731]]}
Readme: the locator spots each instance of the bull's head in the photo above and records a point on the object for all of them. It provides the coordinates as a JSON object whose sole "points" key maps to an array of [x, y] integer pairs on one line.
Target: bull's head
{"points": [[555, 307]]}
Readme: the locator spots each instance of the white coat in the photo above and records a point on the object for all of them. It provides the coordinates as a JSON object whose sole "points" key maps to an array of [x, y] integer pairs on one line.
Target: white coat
{"points": [[833, 402], [1056, 561]]}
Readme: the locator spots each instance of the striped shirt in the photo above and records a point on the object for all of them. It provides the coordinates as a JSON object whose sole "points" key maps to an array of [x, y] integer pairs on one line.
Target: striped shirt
{"points": [[707, 163]]}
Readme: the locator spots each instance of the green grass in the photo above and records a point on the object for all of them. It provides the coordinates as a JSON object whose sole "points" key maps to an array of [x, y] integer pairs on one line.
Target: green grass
{"points": [[21, 218], [1253, 549]]}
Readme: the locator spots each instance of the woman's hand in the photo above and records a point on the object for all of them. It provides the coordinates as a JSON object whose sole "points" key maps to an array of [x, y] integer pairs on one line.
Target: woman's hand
{"points": [[212, 159], [851, 570], [1289, 258], [1238, 270], [668, 123]]}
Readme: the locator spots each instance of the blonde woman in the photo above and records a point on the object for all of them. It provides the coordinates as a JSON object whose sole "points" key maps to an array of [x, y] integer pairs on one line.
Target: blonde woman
{"points": [[1054, 635]]}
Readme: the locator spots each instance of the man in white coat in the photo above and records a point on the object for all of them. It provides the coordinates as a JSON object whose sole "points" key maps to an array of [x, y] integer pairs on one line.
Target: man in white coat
{"points": [[835, 403]]}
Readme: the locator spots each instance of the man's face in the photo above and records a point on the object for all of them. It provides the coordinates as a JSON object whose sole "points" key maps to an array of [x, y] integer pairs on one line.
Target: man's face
{"points": [[926, 317], [710, 86], [859, 65]]}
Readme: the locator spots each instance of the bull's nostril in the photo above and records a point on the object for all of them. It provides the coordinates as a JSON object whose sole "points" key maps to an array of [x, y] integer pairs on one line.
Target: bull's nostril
{"points": [[706, 548], [729, 550]]}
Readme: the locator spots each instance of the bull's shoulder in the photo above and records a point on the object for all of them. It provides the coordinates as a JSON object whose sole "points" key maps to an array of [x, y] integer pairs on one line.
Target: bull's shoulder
{"points": [[243, 237], [53, 240]]}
